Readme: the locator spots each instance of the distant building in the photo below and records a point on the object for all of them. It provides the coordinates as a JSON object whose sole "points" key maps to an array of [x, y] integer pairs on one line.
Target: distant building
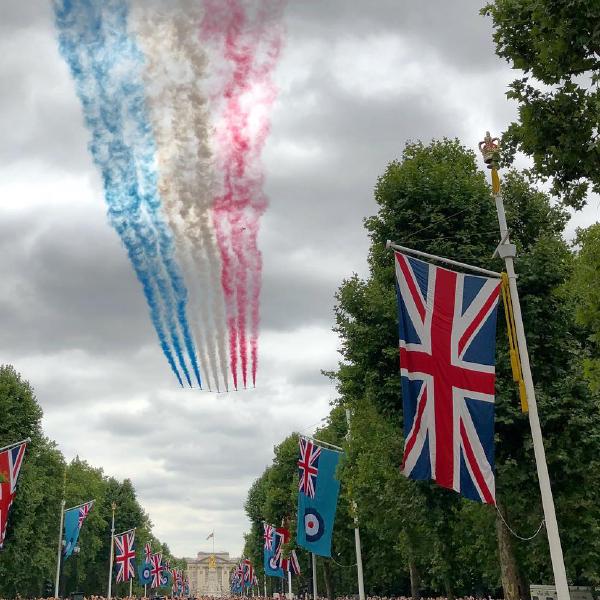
{"points": [[210, 574]]}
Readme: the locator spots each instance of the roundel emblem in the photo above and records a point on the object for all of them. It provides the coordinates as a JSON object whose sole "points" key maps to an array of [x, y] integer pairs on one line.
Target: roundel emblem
{"points": [[144, 573], [313, 525], [273, 563]]}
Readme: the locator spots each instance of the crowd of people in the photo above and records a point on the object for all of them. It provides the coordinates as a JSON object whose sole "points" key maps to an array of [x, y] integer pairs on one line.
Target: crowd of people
{"points": [[282, 596]]}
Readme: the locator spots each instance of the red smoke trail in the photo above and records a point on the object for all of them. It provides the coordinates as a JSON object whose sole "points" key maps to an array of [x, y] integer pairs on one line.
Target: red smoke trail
{"points": [[251, 47]]}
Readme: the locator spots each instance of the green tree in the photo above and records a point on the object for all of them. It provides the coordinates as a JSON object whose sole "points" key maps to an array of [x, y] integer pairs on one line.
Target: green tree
{"points": [[28, 559], [557, 46], [30, 545], [587, 296]]}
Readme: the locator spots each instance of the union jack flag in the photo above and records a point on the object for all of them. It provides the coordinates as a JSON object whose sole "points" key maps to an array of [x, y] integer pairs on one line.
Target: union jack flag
{"points": [[248, 572], [268, 536], [11, 461], [148, 551], [84, 511], [308, 467], [125, 556], [293, 565], [282, 538], [447, 325], [156, 570]]}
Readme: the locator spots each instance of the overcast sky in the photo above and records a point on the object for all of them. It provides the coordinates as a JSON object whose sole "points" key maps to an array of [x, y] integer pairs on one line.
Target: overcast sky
{"points": [[357, 79]]}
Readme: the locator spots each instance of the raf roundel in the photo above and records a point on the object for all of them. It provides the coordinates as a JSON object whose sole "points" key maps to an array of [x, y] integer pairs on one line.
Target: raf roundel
{"points": [[313, 525]]}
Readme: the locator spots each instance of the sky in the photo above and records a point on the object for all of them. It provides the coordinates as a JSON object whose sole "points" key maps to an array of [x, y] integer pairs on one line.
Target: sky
{"points": [[357, 79]]}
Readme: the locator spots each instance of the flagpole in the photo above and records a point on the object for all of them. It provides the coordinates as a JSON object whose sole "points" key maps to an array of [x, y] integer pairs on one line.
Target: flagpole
{"points": [[289, 584], [59, 551], [449, 261], [489, 148], [80, 505], [265, 584], [359, 564], [130, 587], [25, 441], [110, 563], [314, 574], [60, 533]]}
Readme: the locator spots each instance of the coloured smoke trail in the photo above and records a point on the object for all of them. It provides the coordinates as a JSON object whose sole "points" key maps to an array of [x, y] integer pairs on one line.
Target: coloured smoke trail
{"points": [[177, 98], [250, 43]]}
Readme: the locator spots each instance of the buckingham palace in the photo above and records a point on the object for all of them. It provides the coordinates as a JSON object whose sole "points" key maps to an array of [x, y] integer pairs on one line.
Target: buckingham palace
{"points": [[209, 573]]}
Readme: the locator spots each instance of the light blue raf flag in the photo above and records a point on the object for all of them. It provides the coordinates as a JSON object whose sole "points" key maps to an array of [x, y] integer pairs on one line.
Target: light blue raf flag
{"points": [[74, 518], [272, 552], [318, 492]]}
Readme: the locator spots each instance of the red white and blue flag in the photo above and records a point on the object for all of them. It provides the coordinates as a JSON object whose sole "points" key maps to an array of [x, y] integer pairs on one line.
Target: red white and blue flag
{"points": [[268, 536], [148, 551], [293, 564], [125, 556], [156, 570], [248, 572], [84, 511], [308, 467], [447, 325], [11, 461]]}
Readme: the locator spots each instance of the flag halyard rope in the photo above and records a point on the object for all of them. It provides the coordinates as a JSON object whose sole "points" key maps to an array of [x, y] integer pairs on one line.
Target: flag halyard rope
{"points": [[515, 361]]}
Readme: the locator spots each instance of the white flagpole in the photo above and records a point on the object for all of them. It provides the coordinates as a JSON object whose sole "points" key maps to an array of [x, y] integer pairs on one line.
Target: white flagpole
{"points": [[110, 563], [314, 574], [25, 441], [59, 552], [265, 584], [130, 587], [290, 585], [359, 565], [507, 251]]}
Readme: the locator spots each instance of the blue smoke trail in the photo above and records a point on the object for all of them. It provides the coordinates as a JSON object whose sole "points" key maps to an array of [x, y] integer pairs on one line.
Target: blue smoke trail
{"points": [[147, 176], [103, 78]]}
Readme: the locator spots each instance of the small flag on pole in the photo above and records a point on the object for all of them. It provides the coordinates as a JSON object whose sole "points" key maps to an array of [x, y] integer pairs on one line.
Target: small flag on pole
{"points": [[270, 560], [210, 535], [125, 555], [156, 570], [293, 565], [11, 461], [74, 518], [318, 491]]}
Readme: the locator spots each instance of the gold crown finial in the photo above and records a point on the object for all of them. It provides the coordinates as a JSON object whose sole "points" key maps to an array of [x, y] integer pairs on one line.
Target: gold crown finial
{"points": [[490, 149]]}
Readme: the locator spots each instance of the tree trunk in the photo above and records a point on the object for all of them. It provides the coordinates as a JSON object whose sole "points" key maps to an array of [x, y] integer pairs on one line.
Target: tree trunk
{"points": [[415, 579], [449, 588], [514, 583], [328, 580]]}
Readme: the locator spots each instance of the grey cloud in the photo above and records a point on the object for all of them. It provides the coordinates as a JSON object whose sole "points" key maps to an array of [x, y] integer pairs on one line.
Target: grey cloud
{"points": [[454, 29]]}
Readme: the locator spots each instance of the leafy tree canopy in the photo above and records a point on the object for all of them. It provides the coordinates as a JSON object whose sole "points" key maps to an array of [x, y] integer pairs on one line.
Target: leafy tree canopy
{"points": [[557, 45]]}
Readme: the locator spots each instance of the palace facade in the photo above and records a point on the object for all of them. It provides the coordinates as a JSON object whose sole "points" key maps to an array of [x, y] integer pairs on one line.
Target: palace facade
{"points": [[210, 573]]}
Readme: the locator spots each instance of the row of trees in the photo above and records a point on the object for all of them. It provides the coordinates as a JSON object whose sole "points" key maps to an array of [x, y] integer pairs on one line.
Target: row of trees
{"points": [[28, 561], [417, 537]]}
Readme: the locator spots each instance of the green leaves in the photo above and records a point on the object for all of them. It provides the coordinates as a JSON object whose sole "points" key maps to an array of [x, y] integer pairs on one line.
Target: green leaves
{"points": [[29, 556], [557, 45]]}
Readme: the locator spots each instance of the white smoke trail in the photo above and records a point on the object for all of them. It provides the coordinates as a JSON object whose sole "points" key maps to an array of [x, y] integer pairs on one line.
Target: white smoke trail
{"points": [[192, 115], [164, 74]]}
